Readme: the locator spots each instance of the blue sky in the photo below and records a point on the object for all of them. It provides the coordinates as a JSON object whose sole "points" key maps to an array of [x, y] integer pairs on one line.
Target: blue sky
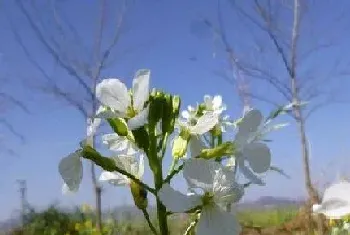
{"points": [[163, 36]]}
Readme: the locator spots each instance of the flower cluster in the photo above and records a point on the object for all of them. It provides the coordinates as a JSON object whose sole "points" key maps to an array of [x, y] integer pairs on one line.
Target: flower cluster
{"points": [[144, 121], [335, 206]]}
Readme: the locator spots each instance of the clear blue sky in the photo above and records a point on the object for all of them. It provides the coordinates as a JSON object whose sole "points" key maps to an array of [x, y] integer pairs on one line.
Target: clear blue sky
{"points": [[162, 38]]}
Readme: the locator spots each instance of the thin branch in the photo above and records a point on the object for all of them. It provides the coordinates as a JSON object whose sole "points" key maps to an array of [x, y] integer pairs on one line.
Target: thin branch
{"points": [[51, 50], [9, 127], [14, 101]]}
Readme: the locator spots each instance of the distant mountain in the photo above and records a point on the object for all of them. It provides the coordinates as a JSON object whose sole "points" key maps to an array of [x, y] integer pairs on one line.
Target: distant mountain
{"points": [[269, 201]]}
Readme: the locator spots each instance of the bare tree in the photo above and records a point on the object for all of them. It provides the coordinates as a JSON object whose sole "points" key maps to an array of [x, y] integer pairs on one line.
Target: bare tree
{"points": [[81, 63], [286, 53], [9, 102]]}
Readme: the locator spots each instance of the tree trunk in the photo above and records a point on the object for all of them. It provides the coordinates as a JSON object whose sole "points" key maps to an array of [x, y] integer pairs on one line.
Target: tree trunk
{"points": [[312, 193], [97, 192]]}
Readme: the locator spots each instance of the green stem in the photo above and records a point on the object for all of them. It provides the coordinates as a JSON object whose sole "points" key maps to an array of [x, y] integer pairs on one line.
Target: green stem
{"points": [[157, 171], [108, 164], [146, 215], [164, 143], [173, 173]]}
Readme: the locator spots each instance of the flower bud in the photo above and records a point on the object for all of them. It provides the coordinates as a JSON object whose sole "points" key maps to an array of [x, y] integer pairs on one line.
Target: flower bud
{"points": [[179, 147], [139, 194]]}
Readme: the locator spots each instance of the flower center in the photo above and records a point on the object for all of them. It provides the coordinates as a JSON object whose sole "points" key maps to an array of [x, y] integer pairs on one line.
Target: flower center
{"points": [[207, 199], [130, 112]]}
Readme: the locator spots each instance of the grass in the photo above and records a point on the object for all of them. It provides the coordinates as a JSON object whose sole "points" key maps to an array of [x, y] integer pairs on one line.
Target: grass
{"points": [[55, 221], [267, 217]]}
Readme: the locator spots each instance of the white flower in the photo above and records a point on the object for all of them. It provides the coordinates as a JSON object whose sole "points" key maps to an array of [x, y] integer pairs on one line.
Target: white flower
{"points": [[71, 170], [119, 144], [189, 114], [219, 189], [113, 94], [198, 127], [249, 150], [214, 104], [128, 163], [336, 201]]}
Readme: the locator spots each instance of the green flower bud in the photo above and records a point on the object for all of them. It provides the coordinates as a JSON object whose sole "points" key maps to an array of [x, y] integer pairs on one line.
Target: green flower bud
{"points": [[225, 149], [176, 105], [119, 126], [156, 103], [139, 194]]}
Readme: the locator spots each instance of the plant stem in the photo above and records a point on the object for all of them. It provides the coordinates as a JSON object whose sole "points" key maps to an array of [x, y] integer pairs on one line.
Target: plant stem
{"points": [[173, 173], [146, 215]]}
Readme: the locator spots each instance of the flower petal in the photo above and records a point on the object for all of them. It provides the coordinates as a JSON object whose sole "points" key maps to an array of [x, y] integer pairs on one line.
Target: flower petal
{"points": [[115, 142], [333, 209], [177, 202], [259, 157], [200, 173], [71, 170], [114, 178], [248, 174], [66, 190], [251, 121], [141, 167], [225, 189], [114, 94], [217, 102], [214, 220], [140, 87], [139, 120], [339, 190], [185, 114], [105, 112], [127, 163], [196, 145], [205, 123]]}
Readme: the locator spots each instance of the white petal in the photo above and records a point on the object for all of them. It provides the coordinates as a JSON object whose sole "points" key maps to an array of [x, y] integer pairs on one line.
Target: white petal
{"points": [[104, 112], [126, 163], [259, 157], [71, 170], [248, 174], [175, 201], [339, 190], [140, 87], [114, 178], [214, 220], [205, 123], [196, 145], [225, 189], [200, 173], [251, 121], [208, 101], [114, 94], [66, 190], [185, 114], [191, 109], [217, 102], [141, 167], [139, 120], [333, 208], [115, 142]]}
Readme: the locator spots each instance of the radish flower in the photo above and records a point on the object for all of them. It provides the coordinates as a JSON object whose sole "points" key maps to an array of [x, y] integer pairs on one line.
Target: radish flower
{"points": [[218, 189], [118, 102], [336, 201]]}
